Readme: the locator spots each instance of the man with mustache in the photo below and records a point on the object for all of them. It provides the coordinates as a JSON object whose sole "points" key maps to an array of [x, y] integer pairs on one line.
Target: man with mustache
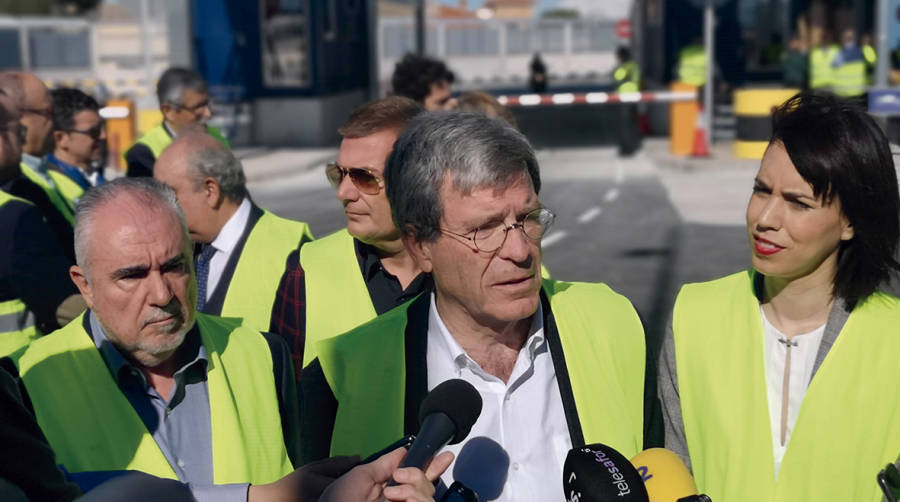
{"points": [[557, 364]]}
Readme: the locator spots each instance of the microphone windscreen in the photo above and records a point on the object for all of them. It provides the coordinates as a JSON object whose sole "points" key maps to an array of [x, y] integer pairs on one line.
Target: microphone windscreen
{"points": [[483, 466], [666, 477], [598, 473], [457, 399]]}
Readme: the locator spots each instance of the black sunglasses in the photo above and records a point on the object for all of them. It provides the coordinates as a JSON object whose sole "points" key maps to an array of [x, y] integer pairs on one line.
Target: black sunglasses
{"points": [[363, 179], [93, 132]]}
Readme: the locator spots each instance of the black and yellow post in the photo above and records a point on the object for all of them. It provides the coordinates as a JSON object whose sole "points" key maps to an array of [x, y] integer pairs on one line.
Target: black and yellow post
{"points": [[753, 111]]}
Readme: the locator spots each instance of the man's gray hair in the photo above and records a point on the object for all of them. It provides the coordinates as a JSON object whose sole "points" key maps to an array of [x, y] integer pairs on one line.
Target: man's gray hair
{"points": [[471, 150], [219, 163], [147, 191], [174, 81]]}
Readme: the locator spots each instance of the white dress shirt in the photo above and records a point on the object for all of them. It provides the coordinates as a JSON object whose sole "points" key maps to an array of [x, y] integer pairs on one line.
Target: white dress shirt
{"points": [[224, 244], [803, 358], [525, 416]]}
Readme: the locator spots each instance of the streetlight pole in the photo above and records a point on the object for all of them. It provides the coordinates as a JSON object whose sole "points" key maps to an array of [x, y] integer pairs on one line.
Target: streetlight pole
{"points": [[709, 21]]}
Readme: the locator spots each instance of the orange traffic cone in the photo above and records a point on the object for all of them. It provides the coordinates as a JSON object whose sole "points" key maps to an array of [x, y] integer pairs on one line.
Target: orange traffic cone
{"points": [[701, 146]]}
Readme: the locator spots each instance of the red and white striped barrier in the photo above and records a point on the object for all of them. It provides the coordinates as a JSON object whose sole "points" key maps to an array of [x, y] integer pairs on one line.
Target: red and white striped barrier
{"points": [[595, 98]]}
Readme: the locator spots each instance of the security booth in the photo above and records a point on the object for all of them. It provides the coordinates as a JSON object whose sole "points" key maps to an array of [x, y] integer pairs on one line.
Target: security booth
{"points": [[288, 71]]}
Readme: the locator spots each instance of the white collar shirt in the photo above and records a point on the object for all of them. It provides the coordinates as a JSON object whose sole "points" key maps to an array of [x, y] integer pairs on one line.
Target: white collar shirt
{"points": [[525, 417], [224, 244], [804, 349]]}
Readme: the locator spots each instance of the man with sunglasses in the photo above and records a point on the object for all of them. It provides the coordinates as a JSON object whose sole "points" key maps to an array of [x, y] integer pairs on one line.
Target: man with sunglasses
{"points": [[338, 282], [242, 247], [79, 142], [184, 103], [32, 180], [36, 295], [556, 364]]}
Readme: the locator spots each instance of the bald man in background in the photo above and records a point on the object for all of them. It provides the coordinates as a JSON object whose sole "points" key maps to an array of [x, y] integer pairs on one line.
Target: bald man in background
{"points": [[30, 179], [243, 247], [36, 295]]}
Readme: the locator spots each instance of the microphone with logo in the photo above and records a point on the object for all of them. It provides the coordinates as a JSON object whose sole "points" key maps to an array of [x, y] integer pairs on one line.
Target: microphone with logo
{"points": [[666, 477], [598, 473], [446, 416]]}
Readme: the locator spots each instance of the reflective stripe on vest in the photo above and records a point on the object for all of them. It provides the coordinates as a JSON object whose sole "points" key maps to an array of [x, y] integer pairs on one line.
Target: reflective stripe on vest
{"points": [[821, 74], [850, 79], [602, 340], [70, 190], [157, 139], [848, 426], [692, 63], [337, 299], [17, 327], [252, 289], [628, 76], [91, 426], [17, 323], [56, 198]]}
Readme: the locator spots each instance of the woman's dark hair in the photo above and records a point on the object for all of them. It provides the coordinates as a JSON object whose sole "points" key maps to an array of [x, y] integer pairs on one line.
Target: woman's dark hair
{"points": [[843, 153]]}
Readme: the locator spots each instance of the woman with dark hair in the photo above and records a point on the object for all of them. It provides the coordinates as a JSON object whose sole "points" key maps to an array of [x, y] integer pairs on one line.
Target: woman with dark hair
{"points": [[785, 373]]}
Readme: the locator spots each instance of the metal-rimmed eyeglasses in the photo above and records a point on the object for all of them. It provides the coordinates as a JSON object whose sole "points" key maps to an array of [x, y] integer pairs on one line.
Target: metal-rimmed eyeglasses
{"points": [[363, 179], [491, 237]]}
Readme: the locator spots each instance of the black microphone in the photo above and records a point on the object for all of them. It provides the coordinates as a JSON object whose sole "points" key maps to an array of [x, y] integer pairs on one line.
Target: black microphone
{"points": [[446, 416], [598, 473]]}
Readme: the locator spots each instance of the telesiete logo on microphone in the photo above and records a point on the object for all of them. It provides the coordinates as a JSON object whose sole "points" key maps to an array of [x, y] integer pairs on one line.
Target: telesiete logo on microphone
{"points": [[618, 479]]}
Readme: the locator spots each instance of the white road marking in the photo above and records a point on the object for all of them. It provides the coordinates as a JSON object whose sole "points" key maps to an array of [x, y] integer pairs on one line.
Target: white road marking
{"points": [[590, 214], [553, 238], [611, 195]]}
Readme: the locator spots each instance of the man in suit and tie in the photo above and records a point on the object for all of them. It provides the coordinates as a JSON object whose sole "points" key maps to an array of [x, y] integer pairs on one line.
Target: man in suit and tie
{"points": [[243, 247]]}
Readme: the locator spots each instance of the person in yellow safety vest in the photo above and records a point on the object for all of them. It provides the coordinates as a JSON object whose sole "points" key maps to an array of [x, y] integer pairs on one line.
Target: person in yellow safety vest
{"points": [[692, 64], [628, 77], [31, 179], [821, 65], [849, 67], [772, 379], [184, 103], [464, 188], [871, 58], [36, 295], [363, 267], [242, 246]]}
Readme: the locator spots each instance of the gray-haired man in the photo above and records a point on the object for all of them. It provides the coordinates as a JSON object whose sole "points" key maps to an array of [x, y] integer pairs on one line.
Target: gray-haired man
{"points": [[557, 364], [184, 103], [243, 247]]}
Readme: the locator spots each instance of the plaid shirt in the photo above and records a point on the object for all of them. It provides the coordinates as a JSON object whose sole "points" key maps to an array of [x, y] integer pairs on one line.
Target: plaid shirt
{"points": [[289, 310]]}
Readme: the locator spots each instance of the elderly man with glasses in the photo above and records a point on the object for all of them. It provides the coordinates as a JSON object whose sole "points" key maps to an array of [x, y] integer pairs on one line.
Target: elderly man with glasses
{"points": [[336, 283], [184, 103], [79, 139], [557, 364]]}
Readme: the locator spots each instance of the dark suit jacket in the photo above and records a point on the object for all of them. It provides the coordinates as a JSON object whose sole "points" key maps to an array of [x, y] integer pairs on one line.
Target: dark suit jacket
{"points": [[318, 406]]}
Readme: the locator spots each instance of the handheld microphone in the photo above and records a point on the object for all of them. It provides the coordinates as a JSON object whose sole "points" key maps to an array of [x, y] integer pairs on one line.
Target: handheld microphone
{"points": [[482, 465], [598, 473], [446, 416], [666, 477], [458, 492]]}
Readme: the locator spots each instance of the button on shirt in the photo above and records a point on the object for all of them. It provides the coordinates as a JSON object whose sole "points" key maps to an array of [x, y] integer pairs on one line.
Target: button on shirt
{"points": [[224, 244], [524, 416], [179, 423]]}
